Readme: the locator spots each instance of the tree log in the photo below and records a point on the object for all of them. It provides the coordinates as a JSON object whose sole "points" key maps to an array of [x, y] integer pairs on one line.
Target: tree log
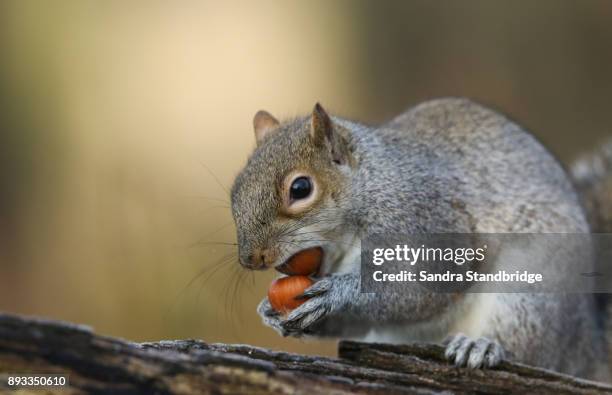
{"points": [[98, 364]]}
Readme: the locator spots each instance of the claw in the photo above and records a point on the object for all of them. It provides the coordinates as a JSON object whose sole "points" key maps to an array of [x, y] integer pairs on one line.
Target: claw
{"points": [[318, 288], [481, 353], [305, 315]]}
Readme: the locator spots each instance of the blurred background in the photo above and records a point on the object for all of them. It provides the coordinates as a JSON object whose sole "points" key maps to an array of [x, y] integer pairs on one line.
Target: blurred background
{"points": [[122, 125]]}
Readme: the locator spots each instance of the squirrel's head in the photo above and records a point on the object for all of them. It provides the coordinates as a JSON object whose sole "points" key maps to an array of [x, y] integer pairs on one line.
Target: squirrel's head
{"points": [[292, 193]]}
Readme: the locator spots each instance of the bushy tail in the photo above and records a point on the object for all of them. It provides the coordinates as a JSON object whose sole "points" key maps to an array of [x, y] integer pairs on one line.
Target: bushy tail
{"points": [[592, 175]]}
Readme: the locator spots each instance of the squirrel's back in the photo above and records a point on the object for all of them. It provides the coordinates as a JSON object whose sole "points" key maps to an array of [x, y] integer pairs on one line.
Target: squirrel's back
{"points": [[483, 171]]}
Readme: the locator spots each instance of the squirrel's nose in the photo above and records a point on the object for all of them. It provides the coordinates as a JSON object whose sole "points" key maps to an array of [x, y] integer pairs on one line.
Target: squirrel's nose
{"points": [[262, 258]]}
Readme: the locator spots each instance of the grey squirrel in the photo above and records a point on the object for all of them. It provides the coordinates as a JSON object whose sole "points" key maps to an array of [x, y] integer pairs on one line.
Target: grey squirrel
{"points": [[445, 166]]}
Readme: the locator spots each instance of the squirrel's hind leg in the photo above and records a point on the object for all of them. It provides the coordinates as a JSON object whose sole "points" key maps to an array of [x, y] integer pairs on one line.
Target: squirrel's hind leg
{"points": [[475, 354]]}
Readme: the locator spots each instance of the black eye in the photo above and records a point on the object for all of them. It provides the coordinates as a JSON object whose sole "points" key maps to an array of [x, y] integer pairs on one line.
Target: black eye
{"points": [[301, 188]]}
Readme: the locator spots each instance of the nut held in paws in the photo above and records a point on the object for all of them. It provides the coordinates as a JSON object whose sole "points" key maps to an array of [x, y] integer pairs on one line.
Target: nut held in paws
{"points": [[282, 292]]}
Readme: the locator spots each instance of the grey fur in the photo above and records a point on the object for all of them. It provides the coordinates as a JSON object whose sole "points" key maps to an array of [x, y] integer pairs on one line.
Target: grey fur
{"points": [[591, 175], [447, 165], [479, 353]]}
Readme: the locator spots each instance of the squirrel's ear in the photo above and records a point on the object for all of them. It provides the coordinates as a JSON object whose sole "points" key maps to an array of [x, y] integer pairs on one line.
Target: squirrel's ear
{"points": [[263, 123], [321, 126], [323, 132]]}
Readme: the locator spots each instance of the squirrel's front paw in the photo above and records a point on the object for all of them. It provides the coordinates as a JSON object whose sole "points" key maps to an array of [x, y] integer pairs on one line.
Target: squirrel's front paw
{"points": [[479, 353], [320, 303], [328, 296], [270, 317]]}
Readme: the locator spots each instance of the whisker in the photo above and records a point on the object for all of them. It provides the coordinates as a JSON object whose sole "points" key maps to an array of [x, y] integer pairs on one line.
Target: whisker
{"points": [[221, 264], [215, 177], [215, 243], [202, 197], [209, 269], [211, 208], [224, 226]]}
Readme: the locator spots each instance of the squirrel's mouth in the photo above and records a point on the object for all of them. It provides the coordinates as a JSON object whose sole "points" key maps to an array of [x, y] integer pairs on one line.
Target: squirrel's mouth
{"points": [[303, 263]]}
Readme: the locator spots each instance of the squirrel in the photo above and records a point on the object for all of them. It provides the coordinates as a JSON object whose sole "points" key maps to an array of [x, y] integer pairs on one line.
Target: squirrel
{"points": [[444, 166]]}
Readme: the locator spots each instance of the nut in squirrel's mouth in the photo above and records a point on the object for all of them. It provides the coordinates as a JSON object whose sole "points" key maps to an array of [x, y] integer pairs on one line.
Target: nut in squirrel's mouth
{"points": [[303, 263]]}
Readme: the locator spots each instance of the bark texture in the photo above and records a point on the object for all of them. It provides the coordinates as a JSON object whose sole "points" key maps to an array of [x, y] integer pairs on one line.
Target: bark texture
{"points": [[99, 364]]}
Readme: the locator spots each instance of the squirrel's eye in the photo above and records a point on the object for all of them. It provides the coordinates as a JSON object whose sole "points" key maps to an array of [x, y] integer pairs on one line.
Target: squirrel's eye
{"points": [[299, 192], [300, 188]]}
